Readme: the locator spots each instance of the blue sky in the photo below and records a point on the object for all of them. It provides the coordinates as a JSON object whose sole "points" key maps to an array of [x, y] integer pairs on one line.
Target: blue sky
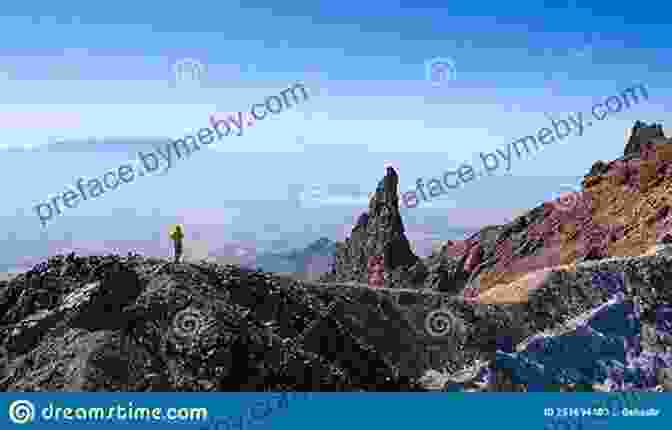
{"points": [[76, 71]]}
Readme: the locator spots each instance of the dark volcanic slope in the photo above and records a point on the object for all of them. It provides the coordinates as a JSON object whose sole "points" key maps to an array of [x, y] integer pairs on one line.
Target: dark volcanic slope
{"points": [[135, 324]]}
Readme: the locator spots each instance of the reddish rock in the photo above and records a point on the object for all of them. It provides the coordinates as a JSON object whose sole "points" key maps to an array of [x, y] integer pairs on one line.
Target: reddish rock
{"points": [[473, 259], [376, 269], [665, 237], [662, 213], [457, 248]]}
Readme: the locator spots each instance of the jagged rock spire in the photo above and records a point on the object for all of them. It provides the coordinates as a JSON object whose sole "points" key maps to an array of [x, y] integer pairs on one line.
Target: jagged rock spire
{"points": [[379, 232], [642, 133]]}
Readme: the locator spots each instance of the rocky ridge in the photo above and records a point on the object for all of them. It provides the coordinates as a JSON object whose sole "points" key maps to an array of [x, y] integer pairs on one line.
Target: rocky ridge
{"points": [[186, 327], [622, 210]]}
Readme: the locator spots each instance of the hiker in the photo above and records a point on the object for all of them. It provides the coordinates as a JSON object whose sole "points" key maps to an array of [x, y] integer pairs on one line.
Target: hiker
{"points": [[177, 235]]}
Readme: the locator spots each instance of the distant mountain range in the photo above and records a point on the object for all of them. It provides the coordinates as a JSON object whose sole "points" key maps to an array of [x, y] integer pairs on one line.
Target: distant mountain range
{"points": [[307, 263]]}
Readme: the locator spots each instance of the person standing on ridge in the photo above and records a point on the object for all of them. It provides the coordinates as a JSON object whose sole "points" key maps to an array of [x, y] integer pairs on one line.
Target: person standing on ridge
{"points": [[177, 235]]}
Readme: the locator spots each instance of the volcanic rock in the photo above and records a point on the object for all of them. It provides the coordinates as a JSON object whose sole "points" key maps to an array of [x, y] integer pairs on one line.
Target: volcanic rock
{"points": [[135, 324], [379, 232]]}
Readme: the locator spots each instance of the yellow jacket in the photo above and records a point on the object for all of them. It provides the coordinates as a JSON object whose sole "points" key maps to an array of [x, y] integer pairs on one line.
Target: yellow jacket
{"points": [[176, 232]]}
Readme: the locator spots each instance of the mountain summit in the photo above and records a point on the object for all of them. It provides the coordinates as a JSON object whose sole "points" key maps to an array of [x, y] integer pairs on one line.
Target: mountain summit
{"points": [[379, 232]]}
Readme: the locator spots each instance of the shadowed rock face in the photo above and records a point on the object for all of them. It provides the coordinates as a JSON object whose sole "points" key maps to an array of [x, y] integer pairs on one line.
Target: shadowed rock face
{"points": [[599, 328], [379, 232], [602, 347]]}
